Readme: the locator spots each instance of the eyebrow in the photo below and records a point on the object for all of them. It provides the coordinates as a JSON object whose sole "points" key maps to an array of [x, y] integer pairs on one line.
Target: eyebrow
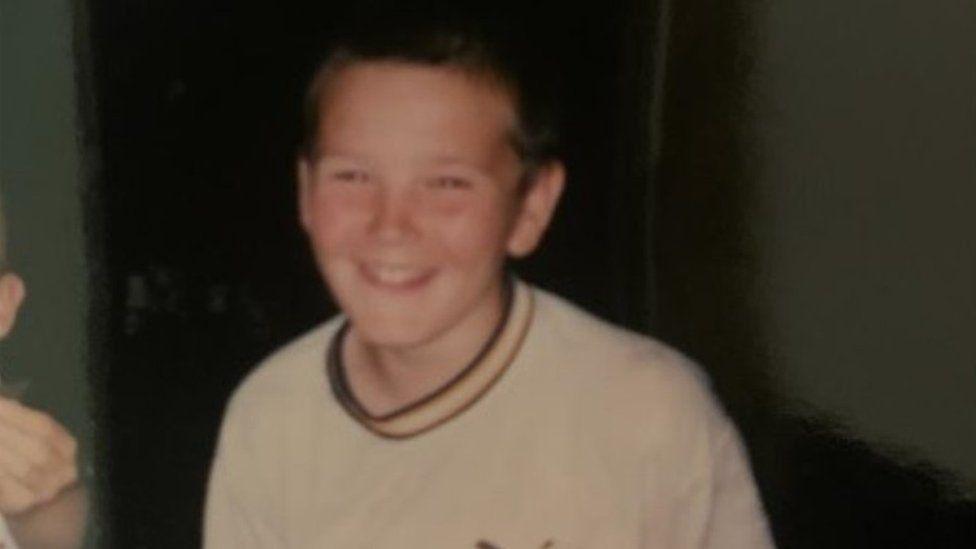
{"points": [[458, 162], [340, 158]]}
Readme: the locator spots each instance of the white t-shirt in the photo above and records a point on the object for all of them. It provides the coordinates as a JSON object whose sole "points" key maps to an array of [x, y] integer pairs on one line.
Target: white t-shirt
{"points": [[566, 433], [6, 539]]}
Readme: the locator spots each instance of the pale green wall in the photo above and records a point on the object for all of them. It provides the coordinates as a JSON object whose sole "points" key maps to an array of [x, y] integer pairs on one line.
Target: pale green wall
{"points": [[867, 115], [41, 183]]}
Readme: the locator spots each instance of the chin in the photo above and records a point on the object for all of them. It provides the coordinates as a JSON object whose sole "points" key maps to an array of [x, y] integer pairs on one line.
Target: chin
{"points": [[393, 335]]}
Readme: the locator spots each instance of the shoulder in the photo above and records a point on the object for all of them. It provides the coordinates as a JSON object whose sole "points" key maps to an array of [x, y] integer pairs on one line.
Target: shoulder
{"points": [[281, 379], [611, 373], [579, 340]]}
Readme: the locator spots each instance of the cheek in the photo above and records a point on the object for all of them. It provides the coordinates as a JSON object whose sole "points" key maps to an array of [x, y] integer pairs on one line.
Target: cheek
{"points": [[473, 232], [332, 217]]}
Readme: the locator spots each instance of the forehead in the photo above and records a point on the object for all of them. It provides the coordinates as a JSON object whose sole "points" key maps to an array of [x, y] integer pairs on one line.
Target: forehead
{"points": [[413, 103]]}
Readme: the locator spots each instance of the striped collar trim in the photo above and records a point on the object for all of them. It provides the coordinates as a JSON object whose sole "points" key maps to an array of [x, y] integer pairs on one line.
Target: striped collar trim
{"points": [[457, 395]]}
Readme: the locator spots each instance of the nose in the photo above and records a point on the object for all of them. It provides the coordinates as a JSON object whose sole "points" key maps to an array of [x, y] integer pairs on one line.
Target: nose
{"points": [[393, 216]]}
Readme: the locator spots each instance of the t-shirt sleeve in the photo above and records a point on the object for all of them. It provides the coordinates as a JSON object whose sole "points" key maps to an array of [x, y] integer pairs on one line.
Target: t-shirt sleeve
{"points": [[699, 491], [239, 503], [736, 519]]}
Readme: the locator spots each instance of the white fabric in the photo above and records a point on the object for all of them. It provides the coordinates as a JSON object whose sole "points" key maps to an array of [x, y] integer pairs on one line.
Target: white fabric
{"points": [[6, 539], [594, 438]]}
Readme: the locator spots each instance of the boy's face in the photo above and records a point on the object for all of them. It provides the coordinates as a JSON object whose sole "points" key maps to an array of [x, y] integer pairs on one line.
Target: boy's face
{"points": [[412, 201], [11, 295]]}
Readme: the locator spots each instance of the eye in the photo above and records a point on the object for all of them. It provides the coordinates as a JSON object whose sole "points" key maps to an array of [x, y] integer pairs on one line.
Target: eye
{"points": [[349, 176], [449, 182]]}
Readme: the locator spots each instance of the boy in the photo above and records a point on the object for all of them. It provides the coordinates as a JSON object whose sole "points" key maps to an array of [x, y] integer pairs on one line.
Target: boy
{"points": [[41, 504], [452, 405]]}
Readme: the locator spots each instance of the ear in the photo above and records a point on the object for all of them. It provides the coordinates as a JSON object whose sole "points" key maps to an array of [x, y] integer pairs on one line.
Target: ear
{"points": [[304, 177], [12, 292], [537, 206]]}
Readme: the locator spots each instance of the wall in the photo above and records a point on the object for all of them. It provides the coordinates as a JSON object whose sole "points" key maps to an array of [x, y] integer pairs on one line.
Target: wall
{"points": [[866, 241], [41, 185]]}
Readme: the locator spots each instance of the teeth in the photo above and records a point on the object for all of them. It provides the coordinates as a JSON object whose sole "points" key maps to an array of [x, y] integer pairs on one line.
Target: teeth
{"points": [[394, 274]]}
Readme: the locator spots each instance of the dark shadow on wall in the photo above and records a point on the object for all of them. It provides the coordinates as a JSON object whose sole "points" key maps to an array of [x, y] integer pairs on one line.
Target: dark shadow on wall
{"points": [[826, 488], [823, 487]]}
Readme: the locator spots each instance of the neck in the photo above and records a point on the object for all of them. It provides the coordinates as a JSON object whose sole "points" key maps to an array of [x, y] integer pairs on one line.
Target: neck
{"points": [[385, 378]]}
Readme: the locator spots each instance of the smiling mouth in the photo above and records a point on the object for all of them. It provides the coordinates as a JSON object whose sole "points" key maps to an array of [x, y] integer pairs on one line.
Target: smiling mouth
{"points": [[395, 277]]}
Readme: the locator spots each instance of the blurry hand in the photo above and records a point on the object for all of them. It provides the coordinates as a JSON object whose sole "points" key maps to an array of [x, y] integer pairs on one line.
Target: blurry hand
{"points": [[37, 458]]}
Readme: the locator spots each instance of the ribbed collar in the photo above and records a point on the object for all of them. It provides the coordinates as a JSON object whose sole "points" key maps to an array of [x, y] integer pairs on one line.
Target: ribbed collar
{"points": [[458, 394]]}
